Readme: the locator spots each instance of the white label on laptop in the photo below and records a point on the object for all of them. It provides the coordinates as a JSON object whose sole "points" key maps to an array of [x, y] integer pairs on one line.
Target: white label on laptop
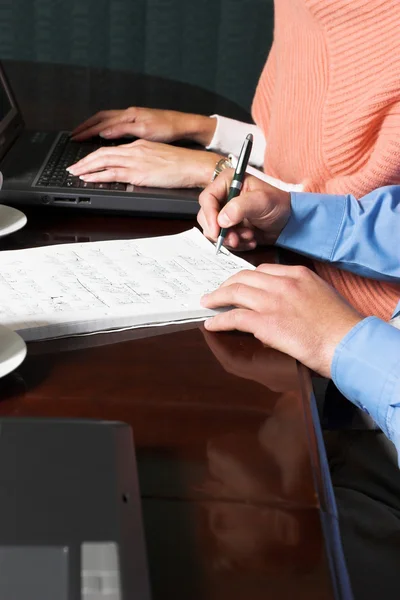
{"points": [[100, 578]]}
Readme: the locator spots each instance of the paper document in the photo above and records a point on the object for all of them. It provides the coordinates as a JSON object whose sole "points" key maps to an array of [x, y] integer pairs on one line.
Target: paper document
{"points": [[71, 289]]}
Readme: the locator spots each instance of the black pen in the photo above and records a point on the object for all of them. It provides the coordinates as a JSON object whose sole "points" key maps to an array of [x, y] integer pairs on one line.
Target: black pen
{"points": [[237, 181]]}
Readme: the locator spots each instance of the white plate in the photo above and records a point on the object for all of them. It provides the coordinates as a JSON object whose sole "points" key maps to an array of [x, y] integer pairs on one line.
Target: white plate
{"points": [[12, 350], [11, 220]]}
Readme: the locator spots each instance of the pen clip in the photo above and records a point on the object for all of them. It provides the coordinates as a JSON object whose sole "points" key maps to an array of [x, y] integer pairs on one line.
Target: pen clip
{"points": [[239, 166]]}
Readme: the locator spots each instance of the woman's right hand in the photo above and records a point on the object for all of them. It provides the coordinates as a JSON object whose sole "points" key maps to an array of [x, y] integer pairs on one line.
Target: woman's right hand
{"points": [[149, 124], [151, 164]]}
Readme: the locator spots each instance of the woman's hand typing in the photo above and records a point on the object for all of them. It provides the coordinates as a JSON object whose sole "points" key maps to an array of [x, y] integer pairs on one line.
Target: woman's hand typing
{"points": [[149, 124]]}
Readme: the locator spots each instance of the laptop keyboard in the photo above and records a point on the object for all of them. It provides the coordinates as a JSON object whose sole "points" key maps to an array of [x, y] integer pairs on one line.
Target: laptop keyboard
{"points": [[65, 154]]}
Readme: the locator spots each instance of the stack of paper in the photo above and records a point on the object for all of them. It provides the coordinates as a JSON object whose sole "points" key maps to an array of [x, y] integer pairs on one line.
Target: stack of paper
{"points": [[72, 289]]}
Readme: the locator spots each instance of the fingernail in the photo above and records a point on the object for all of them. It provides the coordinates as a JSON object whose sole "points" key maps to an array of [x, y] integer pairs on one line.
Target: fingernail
{"points": [[208, 322], [203, 299], [105, 134], [84, 177], [224, 220]]}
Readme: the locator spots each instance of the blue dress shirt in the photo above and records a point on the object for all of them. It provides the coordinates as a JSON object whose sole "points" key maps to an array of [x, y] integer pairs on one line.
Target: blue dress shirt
{"points": [[362, 237]]}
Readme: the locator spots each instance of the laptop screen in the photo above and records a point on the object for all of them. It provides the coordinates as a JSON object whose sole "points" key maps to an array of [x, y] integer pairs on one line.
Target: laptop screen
{"points": [[5, 104], [10, 117]]}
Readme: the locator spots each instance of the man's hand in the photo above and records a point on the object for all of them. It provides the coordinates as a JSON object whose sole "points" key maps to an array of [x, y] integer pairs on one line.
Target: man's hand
{"points": [[288, 308], [149, 124], [256, 216], [149, 164]]}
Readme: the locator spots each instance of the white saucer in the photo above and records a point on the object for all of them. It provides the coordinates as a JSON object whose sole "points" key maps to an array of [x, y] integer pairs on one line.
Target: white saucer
{"points": [[11, 219], [12, 350]]}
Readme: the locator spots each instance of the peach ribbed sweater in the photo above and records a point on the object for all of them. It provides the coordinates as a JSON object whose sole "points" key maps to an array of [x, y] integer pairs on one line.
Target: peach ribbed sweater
{"points": [[328, 101]]}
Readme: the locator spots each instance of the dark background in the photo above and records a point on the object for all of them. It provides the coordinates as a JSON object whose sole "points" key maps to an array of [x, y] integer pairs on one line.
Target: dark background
{"points": [[220, 45]]}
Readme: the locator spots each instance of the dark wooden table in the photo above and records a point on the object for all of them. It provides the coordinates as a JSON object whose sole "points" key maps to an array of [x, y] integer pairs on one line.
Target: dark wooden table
{"points": [[236, 495]]}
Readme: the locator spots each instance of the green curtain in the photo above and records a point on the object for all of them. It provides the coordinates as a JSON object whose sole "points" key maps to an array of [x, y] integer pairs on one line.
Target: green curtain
{"points": [[220, 45]]}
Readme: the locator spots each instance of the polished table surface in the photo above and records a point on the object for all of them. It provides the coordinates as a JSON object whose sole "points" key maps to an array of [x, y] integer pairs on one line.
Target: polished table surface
{"points": [[236, 494]]}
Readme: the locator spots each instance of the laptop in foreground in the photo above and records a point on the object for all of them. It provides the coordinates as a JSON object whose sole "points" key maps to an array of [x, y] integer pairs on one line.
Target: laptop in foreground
{"points": [[70, 517], [33, 164]]}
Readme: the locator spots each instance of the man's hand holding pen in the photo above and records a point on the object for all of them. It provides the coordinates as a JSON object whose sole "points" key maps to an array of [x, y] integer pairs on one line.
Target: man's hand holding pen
{"points": [[256, 216], [237, 182]]}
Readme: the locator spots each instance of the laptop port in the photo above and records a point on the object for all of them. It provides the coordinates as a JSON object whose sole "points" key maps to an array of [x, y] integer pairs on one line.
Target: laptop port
{"points": [[65, 200], [84, 200]]}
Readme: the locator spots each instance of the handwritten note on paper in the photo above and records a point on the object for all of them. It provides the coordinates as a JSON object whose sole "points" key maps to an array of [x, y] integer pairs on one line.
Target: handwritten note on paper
{"points": [[94, 286]]}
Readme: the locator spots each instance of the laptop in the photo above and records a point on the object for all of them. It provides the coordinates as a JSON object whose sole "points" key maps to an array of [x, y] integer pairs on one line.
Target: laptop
{"points": [[70, 516], [33, 165]]}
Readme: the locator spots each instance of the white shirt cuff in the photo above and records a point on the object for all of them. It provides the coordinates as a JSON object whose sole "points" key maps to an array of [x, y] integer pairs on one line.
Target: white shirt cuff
{"points": [[230, 134], [281, 185]]}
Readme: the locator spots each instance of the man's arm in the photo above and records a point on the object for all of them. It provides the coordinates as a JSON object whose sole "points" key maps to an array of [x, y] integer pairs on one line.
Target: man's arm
{"points": [[358, 236], [366, 369]]}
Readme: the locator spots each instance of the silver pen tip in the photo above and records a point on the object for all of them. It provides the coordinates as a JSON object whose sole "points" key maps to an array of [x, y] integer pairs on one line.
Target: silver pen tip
{"points": [[249, 137], [218, 245]]}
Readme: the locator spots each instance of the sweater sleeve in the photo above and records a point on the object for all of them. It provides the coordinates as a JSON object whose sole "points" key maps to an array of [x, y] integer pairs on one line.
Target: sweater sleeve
{"points": [[261, 107]]}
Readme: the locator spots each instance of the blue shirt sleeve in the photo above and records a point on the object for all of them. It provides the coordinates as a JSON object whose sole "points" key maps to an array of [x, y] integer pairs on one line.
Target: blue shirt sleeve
{"points": [[357, 235], [366, 369]]}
